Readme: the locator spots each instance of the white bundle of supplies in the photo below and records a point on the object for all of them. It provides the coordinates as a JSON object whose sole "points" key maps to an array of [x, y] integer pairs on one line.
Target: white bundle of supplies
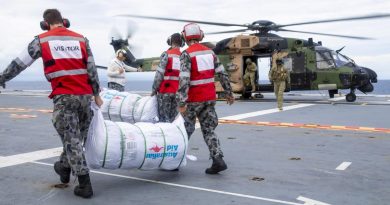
{"points": [[142, 145], [128, 107]]}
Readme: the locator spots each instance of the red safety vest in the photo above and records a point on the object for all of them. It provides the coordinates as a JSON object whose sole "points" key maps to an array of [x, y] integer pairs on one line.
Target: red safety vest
{"points": [[64, 56], [202, 86], [170, 84]]}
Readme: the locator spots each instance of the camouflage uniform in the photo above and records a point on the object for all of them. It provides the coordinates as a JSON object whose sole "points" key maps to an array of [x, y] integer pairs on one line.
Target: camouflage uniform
{"points": [[71, 118], [204, 111], [279, 76], [116, 86], [72, 113], [250, 75], [167, 102]]}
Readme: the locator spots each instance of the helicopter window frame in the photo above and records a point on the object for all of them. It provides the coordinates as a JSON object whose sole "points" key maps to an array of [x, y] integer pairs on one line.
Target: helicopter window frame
{"points": [[340, 60], [324, 60]]}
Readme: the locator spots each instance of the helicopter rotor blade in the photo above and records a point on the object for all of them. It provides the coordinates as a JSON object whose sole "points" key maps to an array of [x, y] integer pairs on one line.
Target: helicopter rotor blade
{"points": [[327, 34], [374, 16], [231, 31], [182, 20]]}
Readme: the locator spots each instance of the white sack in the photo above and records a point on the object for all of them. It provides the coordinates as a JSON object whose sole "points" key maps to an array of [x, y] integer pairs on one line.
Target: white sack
{"points": [[128, 107], [114, 145]]}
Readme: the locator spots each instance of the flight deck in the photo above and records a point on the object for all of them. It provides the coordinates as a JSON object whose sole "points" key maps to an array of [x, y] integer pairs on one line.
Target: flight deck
{"points": [[316, 151]]}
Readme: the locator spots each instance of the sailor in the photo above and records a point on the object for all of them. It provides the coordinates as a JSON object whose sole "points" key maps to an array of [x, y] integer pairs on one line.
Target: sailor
{"points": [[196, 92], [166, 80], [116, 71], [69, 67]]}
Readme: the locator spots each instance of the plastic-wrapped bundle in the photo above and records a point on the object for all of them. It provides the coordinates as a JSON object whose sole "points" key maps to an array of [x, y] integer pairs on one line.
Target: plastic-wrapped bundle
{"points": [[115, 145], [128, 107]]}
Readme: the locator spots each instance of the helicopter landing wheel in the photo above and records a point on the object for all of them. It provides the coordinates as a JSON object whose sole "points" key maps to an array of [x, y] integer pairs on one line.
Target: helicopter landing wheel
{"points": [[259, 95], [350, 97]]}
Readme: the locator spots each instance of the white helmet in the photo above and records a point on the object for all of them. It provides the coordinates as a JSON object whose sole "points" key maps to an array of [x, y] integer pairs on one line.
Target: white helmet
{"points": [[121, 52], [192, 31]]}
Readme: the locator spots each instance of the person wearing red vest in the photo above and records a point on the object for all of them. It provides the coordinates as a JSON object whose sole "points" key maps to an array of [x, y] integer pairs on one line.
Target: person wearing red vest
{"points": [[196, 92], [69, 67], [166, 80]]}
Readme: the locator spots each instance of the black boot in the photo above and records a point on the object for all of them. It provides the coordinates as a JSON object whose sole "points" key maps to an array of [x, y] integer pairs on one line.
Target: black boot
{"points": [[84, 189], [217, 166], [62, 171]]}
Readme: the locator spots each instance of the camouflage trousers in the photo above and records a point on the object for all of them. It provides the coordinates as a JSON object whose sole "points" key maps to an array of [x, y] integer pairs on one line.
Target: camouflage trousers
{"points": [[167, 107], [279, 87], [71, 118], [249, 80], [208, 119], [116, 86]]}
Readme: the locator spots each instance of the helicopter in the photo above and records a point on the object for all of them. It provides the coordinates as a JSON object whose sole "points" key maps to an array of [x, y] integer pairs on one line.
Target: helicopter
{"points": [[311, 65]]}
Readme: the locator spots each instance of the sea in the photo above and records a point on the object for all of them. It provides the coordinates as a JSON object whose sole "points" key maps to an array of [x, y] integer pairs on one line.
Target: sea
{"points": [[382, 87]]}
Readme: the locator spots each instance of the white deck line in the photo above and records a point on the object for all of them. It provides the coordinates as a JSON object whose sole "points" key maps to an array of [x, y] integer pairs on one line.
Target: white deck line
{"points": [[336, 99], [188, 187], [258, 113], [29, 157], [264, 112], [343, 166]]}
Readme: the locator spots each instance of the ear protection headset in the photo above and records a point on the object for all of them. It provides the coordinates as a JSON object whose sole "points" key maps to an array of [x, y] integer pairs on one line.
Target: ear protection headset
{"points": [[169, 40], [121, 53], [45, 26]]}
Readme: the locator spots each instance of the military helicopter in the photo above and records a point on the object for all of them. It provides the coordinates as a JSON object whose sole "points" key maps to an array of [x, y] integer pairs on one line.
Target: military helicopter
{"points": [[311, 65]]}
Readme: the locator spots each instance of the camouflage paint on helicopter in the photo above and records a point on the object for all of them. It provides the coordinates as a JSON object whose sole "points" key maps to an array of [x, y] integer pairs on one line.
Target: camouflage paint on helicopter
{"points": [[312, 66]]}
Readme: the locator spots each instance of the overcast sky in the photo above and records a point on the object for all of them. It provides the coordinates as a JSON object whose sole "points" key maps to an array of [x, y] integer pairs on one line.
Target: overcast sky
{"points": [[19, 20]]}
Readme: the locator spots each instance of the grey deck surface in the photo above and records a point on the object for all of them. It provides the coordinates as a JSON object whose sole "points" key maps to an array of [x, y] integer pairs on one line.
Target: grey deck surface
{"points": [[250, 151]]}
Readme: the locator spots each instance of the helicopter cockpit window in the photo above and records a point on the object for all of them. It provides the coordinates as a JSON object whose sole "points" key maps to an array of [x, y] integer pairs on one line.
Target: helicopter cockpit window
{"points": [[339, 59], [324, 60]]}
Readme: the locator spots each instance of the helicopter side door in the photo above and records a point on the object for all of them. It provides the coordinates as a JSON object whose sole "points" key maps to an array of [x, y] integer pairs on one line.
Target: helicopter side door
{"points": [[299, 75], [327, 75]]}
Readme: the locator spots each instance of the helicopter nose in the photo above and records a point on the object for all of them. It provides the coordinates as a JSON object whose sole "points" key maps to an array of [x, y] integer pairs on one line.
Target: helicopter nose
{"points": [[372, 74], [366, 88], [364, 79]]}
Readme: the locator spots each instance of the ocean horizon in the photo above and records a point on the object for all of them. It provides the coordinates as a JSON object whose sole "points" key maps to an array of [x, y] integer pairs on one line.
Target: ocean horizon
{"points": [[382, 87]]}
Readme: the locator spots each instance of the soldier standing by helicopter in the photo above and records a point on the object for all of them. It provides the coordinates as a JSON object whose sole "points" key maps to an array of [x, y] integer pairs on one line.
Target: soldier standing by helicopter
{"points": [[197, 92], [250, 74], [166, 80], [279, 76]]}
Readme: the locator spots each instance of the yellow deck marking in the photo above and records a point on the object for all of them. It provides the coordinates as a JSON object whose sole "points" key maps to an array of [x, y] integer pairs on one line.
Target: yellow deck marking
{"points": [[45, 111], [12, 109], [311, 126], [17, 116]]}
